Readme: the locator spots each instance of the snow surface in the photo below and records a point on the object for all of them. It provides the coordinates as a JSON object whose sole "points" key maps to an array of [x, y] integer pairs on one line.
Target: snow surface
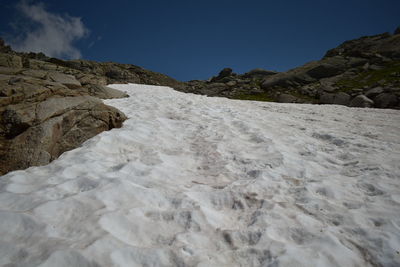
{"points": [[196, 181]]}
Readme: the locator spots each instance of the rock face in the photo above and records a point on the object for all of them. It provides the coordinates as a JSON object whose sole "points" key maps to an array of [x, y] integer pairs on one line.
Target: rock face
{"points": [[46, 110]]}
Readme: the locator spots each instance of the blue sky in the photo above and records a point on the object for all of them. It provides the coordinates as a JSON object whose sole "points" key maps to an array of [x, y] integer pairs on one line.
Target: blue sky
{"points": [[194, 39]]}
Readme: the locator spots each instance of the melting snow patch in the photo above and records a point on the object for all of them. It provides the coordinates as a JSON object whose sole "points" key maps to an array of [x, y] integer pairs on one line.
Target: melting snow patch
{"points": [[196, 181]]}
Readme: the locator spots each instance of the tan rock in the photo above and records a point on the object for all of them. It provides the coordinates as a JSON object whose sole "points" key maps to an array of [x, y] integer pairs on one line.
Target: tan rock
{"points": [[65, 79], [59, 124], [105, 92], [10, 61], [41, 65]]}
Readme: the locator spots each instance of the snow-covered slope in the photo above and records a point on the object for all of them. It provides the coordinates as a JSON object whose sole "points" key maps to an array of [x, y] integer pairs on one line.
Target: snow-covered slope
{"points": [[196, 181]]}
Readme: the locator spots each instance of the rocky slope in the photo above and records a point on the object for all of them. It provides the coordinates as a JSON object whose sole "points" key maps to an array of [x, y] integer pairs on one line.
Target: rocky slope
{"points": [[361, 73], [47, 109]]}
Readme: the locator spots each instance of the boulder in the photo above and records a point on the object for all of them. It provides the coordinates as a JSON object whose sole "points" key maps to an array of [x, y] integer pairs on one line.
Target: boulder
{"points": [[386, 100], [60, 124], [341, 98], [231, 83], [277, 80], [323, 71], [259, 73], [225, 72], [356, 61], [327, 98], [361, 101], [286, 98], [40, 119], [371, 93]]}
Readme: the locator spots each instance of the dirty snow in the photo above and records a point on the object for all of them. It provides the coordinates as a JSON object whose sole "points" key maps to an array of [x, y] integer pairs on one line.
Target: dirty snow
{"points": [[197, 181]]}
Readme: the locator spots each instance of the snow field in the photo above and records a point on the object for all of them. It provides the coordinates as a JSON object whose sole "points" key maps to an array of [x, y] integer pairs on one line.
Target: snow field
{"points": [[197, 181]]}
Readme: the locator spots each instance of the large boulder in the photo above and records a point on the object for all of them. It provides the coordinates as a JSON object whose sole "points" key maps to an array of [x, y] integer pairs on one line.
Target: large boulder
{"points": [[323, 71], [361, 101], [373, 92], [386, 100], [286, 98], [283, 80], [342, 98], [42, 118], [225, 72], [259, 73], [327, 98], [58, 125]]}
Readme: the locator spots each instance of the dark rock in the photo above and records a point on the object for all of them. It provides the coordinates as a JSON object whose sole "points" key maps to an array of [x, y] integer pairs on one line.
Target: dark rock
{"points": [[397, 31], [327, 98], [355, 61], [386, 100], [225, 79], [342, 99], [361, 101], [225, 72], [286, 80], [323, 71], [286, 98], [4, 48], [371, 93], [259, 73]]}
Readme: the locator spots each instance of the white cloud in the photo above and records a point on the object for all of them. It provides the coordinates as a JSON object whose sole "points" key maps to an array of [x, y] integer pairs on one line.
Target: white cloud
{"points": [[54, 34]]}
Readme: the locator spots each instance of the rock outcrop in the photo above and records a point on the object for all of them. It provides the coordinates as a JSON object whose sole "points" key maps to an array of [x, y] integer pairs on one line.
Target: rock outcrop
{"points": [[47, 109], [364, 72], [347, 75]]}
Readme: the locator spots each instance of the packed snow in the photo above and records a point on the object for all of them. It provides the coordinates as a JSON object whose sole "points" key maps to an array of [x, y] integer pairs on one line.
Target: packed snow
{"points": [[191, 180]]}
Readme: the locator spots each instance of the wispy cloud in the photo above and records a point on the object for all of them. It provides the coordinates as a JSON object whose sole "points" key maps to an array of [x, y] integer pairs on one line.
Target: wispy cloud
{"points": [[53, 34]]}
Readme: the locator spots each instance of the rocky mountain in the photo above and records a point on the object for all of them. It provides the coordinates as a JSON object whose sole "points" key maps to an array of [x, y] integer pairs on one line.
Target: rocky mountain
{"points": [[360, 73], [49, 105]]}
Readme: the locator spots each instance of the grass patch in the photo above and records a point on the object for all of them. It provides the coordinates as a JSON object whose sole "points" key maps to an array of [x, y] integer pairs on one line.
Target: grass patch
{"points": [[255, 97], [389, 74]]}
